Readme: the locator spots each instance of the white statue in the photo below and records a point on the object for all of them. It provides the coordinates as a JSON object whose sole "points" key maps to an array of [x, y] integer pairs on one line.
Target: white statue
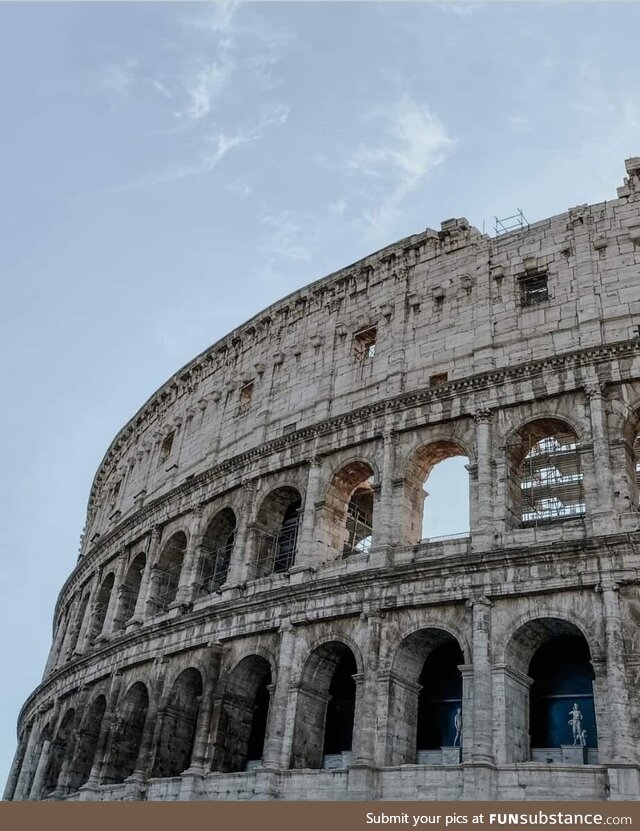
{"points": [[575, 722], [457, 723]]}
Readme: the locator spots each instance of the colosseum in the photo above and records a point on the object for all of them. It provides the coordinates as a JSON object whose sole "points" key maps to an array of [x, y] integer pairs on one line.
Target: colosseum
{"points": [[257, 611]]}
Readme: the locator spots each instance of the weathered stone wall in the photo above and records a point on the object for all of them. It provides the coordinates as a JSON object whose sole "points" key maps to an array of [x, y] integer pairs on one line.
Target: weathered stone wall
{"points": [[188, 606]]}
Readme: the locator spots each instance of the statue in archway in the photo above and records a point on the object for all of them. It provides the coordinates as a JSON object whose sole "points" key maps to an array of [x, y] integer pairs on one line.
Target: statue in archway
{"points": [[575, 722], [457, 723]]}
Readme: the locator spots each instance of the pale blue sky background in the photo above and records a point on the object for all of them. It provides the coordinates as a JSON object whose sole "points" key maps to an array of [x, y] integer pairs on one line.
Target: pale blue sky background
{"points": [[167, 170]]}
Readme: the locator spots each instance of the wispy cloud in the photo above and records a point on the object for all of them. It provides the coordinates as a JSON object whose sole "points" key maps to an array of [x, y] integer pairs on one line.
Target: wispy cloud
{"points": [[283, 242], [117, 78], [205, 86], [214, 147], [414, 143]]}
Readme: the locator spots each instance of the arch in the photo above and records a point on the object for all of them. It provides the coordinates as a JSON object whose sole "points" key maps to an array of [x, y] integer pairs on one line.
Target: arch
{"points": [[545, 478], [425, 694], [631, 435], [345, 524], [549, 662], [101, 605], [87, 742], [58, 752], [177, 734], [323, 731], [418, 469], [78, 625], [166, 577], [244, 711], [126, 733], [276, 531], [216, 550], [130, 590]]}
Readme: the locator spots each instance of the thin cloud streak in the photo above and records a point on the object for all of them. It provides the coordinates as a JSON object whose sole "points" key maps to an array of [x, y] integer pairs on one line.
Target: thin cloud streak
{"points": [[416, 143]]}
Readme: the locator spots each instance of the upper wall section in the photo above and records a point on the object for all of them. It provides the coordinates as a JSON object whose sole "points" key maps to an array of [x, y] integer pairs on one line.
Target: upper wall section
{"points": [[432, 308]]}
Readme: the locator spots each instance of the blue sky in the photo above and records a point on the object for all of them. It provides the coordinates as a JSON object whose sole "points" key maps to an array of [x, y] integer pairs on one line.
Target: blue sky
{"points": [[169, 169]]}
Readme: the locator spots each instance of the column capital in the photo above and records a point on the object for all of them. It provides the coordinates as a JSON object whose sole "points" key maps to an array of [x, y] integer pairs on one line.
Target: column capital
{"points": [[483, 415], [594, 389], [478, 600]]}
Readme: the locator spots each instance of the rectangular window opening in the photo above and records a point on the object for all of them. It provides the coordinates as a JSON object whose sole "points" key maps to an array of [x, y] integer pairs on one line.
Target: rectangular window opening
{"points": [[246, 396], [167, 444], [364, 344], [438, 379], [534, 288]]}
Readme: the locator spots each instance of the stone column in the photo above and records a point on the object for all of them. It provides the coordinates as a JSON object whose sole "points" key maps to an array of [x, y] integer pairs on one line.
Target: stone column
{"points": [[188, 572], [306, 555], [73, 747], [65, 648], [41, 768], [19, 760], [365, 733], [623, 742], [603, 510], [483, 531], [277, 745], [142, 610], [239, 568], [481, 749], [152, 725], [103, 745], [59, 636], [114, 598], [363, 775], [23, 785], [383, 522], [200, 756]]}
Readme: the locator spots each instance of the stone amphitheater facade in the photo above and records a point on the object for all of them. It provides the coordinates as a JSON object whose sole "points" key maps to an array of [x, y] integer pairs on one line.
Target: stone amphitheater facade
{"points": [[255, 613]]}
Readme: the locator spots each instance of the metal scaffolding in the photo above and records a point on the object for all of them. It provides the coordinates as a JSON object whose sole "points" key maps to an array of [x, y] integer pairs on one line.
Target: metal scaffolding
{"points": [[359, 530], [167, 586], [213, 569], [551, 480], [277, 552]]}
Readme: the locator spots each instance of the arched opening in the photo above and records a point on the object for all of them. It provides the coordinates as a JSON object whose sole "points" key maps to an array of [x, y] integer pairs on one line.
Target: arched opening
{"points": [[102, 605], [167, 572], [127, 729], [553, 672], [87, 743], [79, 623], [545, 474], [276, 531], [217, 546], [323, 733], [243, 716], [130, 590], [175, 744], [562, 711], [346, 520], [425, 700], [42, 747], [436, 492], [58, 752]]}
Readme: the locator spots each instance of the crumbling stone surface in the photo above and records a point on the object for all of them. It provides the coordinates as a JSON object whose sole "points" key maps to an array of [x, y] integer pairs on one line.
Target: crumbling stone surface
{"points": [[252, 575]]}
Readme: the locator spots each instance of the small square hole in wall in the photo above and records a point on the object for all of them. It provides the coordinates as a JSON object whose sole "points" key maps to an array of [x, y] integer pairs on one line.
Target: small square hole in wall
{"points": [[288, 428], [364, 344], [438, 379], [246, 396], [167, 444]]}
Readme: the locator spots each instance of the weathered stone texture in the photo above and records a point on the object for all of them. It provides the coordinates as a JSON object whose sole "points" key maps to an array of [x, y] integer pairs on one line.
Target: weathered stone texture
{"points": [[222, 605]]}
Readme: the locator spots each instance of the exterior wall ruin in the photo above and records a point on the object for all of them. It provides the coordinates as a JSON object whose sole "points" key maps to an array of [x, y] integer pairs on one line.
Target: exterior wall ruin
{"points": [[196, 643]]}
